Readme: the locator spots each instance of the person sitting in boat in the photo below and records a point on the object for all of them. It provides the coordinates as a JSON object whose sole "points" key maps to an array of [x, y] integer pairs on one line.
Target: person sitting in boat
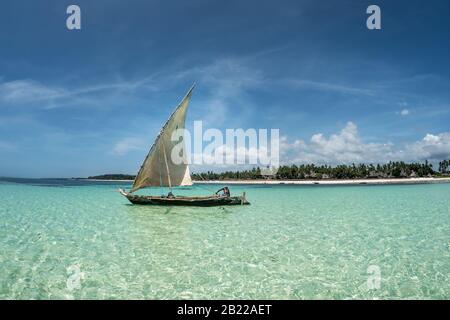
{"points": [[225, 192], [170, 195]]}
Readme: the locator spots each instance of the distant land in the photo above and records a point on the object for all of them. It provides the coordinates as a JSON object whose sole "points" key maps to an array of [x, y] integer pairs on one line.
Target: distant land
{"points": [[391, 170], [112, 176]]}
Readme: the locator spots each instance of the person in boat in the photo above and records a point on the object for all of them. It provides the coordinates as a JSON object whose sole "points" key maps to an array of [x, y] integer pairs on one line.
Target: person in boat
{"points": [[170, 195], [225, 192]]}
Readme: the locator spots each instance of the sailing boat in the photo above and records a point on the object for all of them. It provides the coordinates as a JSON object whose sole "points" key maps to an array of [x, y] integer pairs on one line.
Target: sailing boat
{"points": [[158, 169]]}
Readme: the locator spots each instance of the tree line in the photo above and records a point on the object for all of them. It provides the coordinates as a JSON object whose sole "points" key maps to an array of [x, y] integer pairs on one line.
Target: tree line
{"points": [[443, 166], [393, 169]]}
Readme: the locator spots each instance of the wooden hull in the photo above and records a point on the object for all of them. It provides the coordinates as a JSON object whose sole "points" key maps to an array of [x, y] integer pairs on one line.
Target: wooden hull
{"points": [[209, 201]]}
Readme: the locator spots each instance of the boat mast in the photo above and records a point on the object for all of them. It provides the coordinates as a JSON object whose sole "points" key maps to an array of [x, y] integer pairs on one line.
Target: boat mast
{"points": [[167, 168], [160, 175]]}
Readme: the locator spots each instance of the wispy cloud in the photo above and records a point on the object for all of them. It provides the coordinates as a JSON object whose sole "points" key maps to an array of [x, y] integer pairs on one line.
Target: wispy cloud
{"points": [[125, 145], [225, 83], [32, 92], [7, 147], [25, 91], [224, 79], [327, 86]]}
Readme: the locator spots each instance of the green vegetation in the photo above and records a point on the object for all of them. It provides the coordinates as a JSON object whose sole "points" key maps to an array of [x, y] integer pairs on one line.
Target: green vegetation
{"points": [[255, 173], [443, 166], [311, 171]]}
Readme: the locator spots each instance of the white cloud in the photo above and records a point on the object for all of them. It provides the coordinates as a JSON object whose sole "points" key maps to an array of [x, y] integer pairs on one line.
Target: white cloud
{"points": [[404, 112], [347, 147], [125, 145], [226, 156], [431, 147]]}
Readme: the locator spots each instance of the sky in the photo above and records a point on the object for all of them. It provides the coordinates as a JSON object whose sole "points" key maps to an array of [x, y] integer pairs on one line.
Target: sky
{"points": [[75, 103]]}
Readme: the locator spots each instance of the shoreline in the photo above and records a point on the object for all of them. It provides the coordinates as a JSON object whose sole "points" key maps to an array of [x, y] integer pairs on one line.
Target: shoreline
{"points": [[107, 180], [312, 182]]}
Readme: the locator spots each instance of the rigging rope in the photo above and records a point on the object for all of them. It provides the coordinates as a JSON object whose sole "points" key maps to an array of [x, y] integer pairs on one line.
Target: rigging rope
{"points": [[205, 188], [160, 176]]}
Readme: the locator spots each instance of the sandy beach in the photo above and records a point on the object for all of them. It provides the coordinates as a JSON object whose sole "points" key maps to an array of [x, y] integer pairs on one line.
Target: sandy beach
{"points": [[316, 182], [332, 182]]}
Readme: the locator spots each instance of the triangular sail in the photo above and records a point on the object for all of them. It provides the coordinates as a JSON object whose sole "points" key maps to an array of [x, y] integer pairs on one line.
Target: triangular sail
{"points": [[158, 169]]}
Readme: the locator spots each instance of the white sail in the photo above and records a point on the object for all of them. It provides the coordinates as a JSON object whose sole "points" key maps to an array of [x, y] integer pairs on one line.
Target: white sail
{"points": [[158, 169]]}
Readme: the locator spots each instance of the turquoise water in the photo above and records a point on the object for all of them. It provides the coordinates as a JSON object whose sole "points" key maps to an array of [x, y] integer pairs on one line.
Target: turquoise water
{"points": [[310, 242]]}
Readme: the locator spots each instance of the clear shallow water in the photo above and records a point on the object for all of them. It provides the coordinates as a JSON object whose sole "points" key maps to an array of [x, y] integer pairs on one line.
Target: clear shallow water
{"points": [[84, 240]]}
